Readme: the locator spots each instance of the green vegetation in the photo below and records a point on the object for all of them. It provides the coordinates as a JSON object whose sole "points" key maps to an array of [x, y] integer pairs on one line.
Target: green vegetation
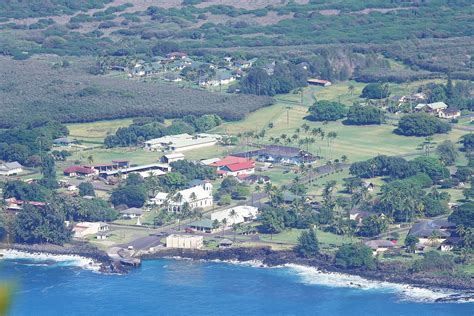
{"points": [[364, 115], [327, 111], [308, 245], [355, 256], [421, 124]]}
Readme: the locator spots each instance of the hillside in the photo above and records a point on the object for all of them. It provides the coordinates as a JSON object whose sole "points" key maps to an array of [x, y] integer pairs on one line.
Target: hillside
{"points": [[434, 36], [71, 94]]}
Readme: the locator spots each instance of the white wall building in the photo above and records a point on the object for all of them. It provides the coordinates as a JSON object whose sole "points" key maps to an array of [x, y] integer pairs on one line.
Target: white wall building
{"points": [[197, 196], [83, 229], [181, 142], [243, 213], [184, 242], [10, 168]]}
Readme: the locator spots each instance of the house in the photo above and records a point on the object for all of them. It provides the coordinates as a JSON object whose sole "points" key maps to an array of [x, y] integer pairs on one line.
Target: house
{"points": [[225, 243], [159, 199], [368, 185], [234, 166], [431, 232], [172, 77], [184, 242], [64, 141], [237, 169], [241, 214], [318, 82], [14, 205], [204, 225], [379, 246], [132, 212], [83, 229], [357, 215], [244, 64], [181, 142], [222, 77], [449, 113], [253, 179], [102, 235], [197, 196], [434, 108], [80, 171], [284, 154], [10, 168], [169, 158], [176, 55]]}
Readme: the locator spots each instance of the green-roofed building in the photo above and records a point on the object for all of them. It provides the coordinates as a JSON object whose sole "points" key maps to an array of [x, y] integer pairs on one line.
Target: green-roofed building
{"points": [[203, 225]]}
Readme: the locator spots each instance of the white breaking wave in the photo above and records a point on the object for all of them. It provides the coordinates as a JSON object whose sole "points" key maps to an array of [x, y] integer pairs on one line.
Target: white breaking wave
{"points": [[59, 260], [313, 276]]}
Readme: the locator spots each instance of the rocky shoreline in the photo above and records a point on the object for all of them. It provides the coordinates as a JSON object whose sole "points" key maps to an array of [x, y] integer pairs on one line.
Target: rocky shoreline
{"points": [[268, 257], [81, 249]]}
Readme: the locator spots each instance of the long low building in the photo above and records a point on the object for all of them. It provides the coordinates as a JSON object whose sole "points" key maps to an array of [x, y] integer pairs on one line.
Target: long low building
{"points": [[156, 169], [181, 142], [184, 242], [10, 168], [236, 215]]}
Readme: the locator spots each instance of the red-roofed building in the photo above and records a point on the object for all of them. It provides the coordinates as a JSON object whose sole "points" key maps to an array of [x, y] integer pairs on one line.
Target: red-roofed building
{"points": [[319, 82], [234, 166], [14, 205], [229, 160], [82, 171]]}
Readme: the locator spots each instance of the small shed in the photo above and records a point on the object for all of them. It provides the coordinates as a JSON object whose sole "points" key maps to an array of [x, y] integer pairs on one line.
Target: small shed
{"points": [[225, 243]]}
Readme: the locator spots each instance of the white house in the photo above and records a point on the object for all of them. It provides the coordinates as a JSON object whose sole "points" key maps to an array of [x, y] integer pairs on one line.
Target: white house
{"points": [[449, 113], [83, 229], [132, 212], [243, 213], [379, 245], [196, 196], [184, 242], [10, 168]]}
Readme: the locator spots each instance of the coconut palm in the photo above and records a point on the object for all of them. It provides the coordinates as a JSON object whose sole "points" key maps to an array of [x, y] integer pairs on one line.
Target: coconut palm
{"points": [[224, 225]]}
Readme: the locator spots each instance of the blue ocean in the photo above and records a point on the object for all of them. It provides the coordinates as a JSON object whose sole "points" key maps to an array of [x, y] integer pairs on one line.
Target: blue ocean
{"points": [[183, 287]]}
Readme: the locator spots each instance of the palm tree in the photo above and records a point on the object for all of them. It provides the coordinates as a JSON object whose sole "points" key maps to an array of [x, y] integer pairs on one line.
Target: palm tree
{"points": [[351, 89], [215, 225], [433, 238], [224, 225], [193, 197], [235, 228]]}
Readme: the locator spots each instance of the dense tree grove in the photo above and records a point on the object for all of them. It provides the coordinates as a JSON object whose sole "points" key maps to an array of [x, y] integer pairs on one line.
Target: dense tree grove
{"points": [[26, 192], [192, 170], [27, 143], [463, 215], [86, 189], [41, 225], [421, 124], [327, 111], [356, 256], [364, 115], [285, 77], [129, 195], [376, 91], [397, 167]]}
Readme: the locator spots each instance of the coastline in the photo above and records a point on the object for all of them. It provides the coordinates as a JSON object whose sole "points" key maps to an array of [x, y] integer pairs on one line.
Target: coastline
{"points": [[85, 254], [91, 258], [270, 258]]}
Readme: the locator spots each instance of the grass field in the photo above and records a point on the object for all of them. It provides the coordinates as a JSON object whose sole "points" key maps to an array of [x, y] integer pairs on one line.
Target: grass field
{"points": [[356, 142], [96, 131], [290, 236]]}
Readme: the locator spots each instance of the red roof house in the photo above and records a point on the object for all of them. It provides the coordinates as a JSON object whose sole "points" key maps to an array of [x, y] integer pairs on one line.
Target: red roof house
{"points": [[234, 166], [79, 171]]}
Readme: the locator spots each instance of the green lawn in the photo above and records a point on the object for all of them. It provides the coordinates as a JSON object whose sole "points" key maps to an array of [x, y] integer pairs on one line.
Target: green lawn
{"points": [[290, 236], [356, 142], [96, 131]]}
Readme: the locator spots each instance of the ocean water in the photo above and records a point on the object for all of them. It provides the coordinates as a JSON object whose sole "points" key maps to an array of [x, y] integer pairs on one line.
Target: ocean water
{"points": [[183, 287]]}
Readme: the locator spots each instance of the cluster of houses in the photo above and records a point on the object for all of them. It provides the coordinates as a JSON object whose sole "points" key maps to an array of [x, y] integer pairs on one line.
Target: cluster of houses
{"points": [[439, 233], [419, 104], [439, 109], [174, 66]]}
